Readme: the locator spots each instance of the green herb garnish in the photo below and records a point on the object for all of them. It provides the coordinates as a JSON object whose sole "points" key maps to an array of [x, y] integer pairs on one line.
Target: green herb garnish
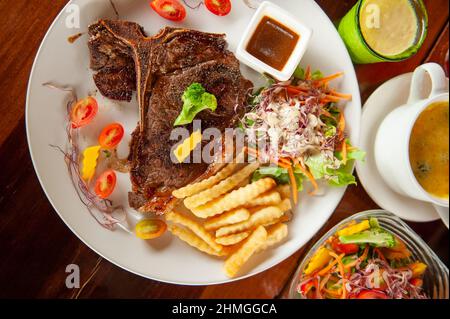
{"points": [[195, 99]]}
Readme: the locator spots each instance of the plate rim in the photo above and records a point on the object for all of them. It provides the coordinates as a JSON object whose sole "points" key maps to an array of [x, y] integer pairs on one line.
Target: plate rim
{"points": [[275, 260]]}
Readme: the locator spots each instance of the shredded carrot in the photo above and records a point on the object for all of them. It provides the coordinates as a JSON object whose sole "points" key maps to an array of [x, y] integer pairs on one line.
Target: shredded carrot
{"points": [[283, 165], [341, 95], [285, 160], [344, 152], [325, 270], [331, 98], [293, 184], [330, 77], [341, 125], [365, 253], [380, 254], [326, 113], [282, 162], [296, 89], [324, 282], [308, 73], [293, 90], [342, 272], [351, 265], [310, 177], [360, 259]]}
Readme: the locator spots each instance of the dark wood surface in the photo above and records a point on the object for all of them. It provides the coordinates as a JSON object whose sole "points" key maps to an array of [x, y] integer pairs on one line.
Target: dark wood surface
{"points": [[36, 246]]}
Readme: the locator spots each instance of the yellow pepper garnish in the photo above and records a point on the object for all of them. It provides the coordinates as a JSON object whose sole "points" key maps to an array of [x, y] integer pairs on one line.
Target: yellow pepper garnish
{"points": [[184, 149], [354, 229], [318, 261], [90, 156], [417, 269]]}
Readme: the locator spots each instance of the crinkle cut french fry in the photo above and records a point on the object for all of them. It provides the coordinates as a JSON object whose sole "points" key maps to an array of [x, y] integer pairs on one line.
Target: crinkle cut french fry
{"points": [[193, 240], [283, 219], [234, 199], [284, 190], [285, 205], [221, 188], [234, 263], [195, 188], [275, 234], [232, 217], [261, 217], [195, 227], [267, 199], [232, 239]]}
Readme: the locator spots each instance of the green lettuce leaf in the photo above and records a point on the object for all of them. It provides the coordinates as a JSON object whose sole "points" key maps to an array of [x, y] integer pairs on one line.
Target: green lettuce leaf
{"points": [[317, 75], [319, 168], [354, 154], [195, 99], [317, 165], [341, 177], [300, 73], [280, 175]]}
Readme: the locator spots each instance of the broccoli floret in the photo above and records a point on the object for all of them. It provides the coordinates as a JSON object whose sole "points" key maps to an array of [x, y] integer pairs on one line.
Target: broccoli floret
{"points": [[375, 236], [373, 222]]}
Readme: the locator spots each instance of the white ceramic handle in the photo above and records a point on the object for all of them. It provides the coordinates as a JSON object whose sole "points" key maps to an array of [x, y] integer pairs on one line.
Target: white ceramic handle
{"points": [[438, 82]]}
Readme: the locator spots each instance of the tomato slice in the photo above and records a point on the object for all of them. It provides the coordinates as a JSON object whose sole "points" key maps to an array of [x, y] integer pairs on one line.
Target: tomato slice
{"points": [[150, 228], [371, 294], [105, 184], [111, 135], [169, 9], [83, 112], [218, 7]]}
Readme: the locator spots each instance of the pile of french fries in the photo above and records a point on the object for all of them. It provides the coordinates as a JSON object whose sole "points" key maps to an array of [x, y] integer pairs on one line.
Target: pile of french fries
{"points": [[228, 216]]}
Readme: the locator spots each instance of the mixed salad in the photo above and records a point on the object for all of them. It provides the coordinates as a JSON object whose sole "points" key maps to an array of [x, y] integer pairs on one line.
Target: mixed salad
{"points": [[297, 127], [362, 261]]}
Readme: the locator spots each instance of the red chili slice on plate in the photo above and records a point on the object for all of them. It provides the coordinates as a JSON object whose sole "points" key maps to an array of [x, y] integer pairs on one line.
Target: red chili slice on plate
{"points": [[83, 112], [218, 7], [169, 9], [111, 135], [105, 184]]}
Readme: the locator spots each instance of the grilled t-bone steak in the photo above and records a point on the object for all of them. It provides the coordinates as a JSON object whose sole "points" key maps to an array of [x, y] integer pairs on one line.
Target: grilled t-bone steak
{"points": [[165, 65]]}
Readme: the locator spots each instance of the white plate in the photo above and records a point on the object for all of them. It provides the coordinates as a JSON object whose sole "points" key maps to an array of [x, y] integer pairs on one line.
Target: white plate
{"points": [[165, 259], [386, 98]]}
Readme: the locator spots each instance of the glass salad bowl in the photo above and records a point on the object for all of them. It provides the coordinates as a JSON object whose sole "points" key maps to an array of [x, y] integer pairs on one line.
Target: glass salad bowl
{"points": [[435, 279]]}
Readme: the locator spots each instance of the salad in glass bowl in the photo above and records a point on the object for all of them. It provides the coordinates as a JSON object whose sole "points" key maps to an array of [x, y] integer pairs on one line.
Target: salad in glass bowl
{"points": [[371, 255]]}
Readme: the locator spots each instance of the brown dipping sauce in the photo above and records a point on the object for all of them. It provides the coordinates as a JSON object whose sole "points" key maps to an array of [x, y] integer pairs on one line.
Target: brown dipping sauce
{"points": [[272, 43]]}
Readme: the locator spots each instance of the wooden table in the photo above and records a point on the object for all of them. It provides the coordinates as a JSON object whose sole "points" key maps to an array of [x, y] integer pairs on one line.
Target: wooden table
{"points": [[36, 246]]}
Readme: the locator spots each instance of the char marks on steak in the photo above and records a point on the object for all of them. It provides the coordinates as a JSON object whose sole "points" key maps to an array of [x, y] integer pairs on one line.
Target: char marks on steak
{"points": [[163, 67]]}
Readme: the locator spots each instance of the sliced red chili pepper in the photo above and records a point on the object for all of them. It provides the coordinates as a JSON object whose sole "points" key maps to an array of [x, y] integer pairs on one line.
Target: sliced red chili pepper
{"points": [[105, 184], [111, 135], [83, 112], [218, 7], [169, 9], [341, 248]]}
